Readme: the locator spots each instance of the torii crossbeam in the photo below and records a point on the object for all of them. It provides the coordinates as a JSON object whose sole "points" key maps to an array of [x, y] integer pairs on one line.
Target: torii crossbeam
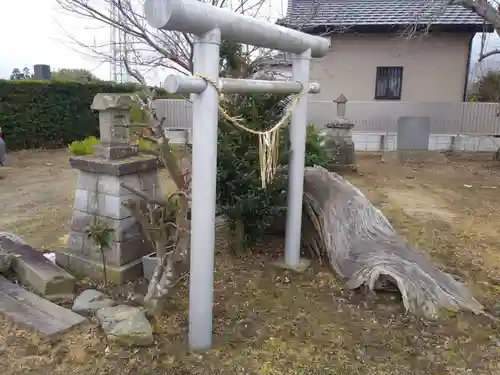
{"points": [[210, 24]]}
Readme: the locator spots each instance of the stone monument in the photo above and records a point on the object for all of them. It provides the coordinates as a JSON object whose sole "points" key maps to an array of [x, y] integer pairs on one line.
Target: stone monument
{"points": [[100, 196], [338, 139]]}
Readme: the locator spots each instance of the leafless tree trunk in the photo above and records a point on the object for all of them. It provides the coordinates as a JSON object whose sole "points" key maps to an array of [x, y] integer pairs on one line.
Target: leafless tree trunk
{"points": [[489, 10], [363, 247], [165, 223], [146, 47]]}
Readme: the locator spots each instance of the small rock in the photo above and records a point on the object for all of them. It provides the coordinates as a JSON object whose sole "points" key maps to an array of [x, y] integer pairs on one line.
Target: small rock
{"points": [[125, 325], [5, 261], [91, 300]]}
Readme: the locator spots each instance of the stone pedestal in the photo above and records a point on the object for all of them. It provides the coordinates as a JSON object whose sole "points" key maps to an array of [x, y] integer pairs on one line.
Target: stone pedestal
{"points": [[100, 196]]}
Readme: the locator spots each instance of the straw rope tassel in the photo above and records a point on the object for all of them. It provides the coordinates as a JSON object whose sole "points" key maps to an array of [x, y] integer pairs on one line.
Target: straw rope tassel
{"points": [[262, 160], [268, 140]]}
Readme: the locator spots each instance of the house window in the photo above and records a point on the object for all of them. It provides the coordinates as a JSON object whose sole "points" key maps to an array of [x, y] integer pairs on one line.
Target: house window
{"points": [[388, 82]]}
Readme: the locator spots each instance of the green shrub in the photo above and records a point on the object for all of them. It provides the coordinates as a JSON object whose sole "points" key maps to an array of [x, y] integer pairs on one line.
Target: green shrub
{"points": [[84, 147], [315, 150], [250, 209], [49, 114], [240, 196], [487, 89], [145, 144]]}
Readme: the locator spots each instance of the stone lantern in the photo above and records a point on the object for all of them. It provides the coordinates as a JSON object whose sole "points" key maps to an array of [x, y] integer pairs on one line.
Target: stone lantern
{"points": [[114, 115], [338, 139], [100, 194]]}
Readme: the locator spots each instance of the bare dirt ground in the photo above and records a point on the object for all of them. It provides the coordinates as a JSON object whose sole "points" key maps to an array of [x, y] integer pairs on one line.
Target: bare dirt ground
{"points": [[36, 196], [267, 321]]}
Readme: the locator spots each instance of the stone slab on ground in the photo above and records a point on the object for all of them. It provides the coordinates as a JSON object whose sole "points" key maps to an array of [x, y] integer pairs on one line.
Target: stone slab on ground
{"points": [[299, 268], [126, 325], [38, 272], [91, 300], [34, 312]]}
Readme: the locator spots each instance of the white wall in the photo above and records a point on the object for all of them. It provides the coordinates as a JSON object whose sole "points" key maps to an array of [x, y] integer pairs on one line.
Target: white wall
{"points": [[437, 142], [434, 66], [371, 141]]}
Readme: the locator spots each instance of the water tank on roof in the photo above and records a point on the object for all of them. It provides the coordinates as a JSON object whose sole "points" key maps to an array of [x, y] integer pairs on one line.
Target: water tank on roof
{"points": [[41, 72]]}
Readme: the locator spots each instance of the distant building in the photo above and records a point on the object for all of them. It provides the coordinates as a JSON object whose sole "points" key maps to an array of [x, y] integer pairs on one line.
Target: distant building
{"points": [[390, 49]]}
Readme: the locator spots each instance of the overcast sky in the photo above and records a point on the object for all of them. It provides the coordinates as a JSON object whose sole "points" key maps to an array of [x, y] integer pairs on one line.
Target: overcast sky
{"points": [[35, 32]]}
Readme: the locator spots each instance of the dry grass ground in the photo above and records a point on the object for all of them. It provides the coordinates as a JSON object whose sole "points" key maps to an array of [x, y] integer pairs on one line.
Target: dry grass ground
{"points": [[267, 321]]}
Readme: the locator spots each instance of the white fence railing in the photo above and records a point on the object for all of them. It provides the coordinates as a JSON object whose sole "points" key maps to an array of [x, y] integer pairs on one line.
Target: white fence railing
{"points": [[446, 118], [177, 112]]}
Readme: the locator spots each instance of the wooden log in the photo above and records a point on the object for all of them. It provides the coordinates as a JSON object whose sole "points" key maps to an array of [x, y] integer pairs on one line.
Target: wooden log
{"points": [[364, 248]]}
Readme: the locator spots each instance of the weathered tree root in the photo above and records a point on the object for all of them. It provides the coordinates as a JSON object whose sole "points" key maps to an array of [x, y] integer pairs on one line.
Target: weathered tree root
{"points": [[363, 247]]}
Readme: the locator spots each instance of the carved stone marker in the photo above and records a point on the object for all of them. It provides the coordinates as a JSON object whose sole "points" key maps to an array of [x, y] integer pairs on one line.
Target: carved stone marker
{"points": [[100, 196], [338, 139]]}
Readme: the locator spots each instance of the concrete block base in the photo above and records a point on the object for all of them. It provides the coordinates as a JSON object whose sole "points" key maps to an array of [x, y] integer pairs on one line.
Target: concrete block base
{"points": [[84, 267], [299, 268], [101, 195], [148, 265], [34, 270]]}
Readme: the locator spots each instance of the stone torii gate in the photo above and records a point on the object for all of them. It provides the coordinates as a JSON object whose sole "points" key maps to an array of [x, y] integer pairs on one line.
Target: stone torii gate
{"points": [[209, 25]]}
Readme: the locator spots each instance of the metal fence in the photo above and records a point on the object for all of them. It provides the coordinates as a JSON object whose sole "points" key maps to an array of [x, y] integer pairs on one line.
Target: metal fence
{"points": [[178, 113], [446, 118]]}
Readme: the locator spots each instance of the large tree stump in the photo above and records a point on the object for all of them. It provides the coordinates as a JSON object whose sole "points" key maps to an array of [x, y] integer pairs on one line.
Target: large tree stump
{"points": [[364, 248]]}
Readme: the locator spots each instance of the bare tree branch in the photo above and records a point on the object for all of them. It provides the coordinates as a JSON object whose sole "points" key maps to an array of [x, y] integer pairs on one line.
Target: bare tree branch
{"points": [[145, 47], [484, 56], [487, 10]]}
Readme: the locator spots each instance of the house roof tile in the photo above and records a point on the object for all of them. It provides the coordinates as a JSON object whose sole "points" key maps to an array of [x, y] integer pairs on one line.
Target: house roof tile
{"points": [[346, 13]]}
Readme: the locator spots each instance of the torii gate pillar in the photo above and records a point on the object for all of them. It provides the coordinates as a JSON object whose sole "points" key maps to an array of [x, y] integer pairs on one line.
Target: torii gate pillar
{"points": [[209, 24], [204, 173]]}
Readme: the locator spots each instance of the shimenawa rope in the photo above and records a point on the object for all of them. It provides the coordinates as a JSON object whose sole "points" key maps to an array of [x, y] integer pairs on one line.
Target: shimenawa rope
{"points": [[268, 139]]}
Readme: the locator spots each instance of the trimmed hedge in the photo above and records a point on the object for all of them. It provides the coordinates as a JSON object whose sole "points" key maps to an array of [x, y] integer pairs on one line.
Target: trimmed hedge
{"points": [[50, 114]]}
